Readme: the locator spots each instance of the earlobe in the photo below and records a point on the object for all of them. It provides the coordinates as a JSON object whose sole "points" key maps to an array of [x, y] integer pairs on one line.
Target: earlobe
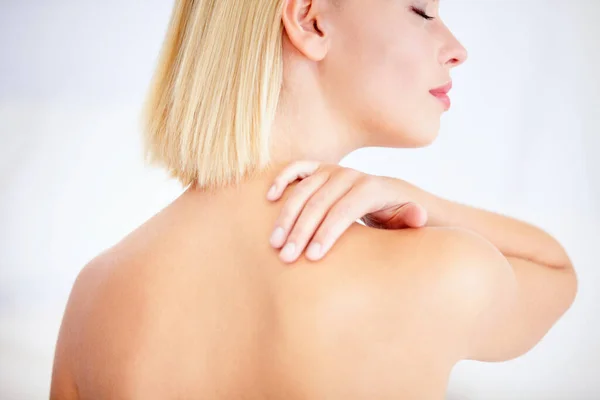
{"points": [[301, 21]]}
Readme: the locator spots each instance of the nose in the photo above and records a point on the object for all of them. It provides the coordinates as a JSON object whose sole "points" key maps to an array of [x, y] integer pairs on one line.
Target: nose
{"points": [[453, 53]]}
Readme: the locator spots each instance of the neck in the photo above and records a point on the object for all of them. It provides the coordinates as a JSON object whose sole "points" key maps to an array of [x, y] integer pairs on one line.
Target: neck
{"points": [[306, 127], [309, 126]]}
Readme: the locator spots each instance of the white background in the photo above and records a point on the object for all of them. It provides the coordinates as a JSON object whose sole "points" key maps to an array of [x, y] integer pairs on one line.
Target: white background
{"points": [[521, 139]]}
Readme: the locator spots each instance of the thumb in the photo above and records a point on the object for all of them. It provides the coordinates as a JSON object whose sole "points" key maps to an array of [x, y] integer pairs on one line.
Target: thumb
{"points": [[413, 215]]}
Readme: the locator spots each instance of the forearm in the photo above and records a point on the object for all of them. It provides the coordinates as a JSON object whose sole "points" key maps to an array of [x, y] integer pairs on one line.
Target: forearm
{"points": [[512, 237]]}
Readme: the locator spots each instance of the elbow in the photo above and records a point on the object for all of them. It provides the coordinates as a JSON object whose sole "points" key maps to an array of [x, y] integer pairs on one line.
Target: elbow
{"points": [[567, 285], [571, 287], [564, 294]]}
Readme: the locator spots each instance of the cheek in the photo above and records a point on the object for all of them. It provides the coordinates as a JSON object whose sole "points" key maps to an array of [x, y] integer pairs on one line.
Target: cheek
{"points": [[379, 80], [397, 103], [400, 67], [395, 82]]}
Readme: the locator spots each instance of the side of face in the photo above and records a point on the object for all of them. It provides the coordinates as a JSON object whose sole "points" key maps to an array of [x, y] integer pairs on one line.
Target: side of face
{"points": [[382, 60]]}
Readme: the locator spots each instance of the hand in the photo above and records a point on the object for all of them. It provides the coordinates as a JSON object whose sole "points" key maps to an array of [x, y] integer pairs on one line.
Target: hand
{"points": [[329, 199]]}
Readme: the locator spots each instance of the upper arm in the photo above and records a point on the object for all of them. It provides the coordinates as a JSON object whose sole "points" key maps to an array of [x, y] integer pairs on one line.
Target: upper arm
{"points": [[523, 300], [63, 385], [464, 281], [506, 328], [480, 304], [83, 334]]}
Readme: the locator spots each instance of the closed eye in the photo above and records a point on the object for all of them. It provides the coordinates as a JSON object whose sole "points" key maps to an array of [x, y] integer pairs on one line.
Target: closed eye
{"points": [[422, 13]]}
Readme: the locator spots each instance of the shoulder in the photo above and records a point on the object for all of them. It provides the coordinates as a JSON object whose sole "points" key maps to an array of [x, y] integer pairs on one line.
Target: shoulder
{"points": [[432, 284], [455, 257], [103, 324]]}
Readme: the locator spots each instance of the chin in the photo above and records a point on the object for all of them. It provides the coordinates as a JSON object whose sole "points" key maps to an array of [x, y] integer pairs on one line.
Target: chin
{"points": [[417, 134], [419, 139], [428, 133], [429, 141], [406, 142]]}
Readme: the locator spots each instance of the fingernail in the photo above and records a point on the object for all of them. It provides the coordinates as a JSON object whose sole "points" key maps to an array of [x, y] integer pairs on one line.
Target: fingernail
{"points": [[314, 251], [288, 251], [272, 192], [277, 237]]}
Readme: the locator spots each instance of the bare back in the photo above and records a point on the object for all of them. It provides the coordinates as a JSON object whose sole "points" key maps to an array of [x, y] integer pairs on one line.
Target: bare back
{"points": [[196, 304]]}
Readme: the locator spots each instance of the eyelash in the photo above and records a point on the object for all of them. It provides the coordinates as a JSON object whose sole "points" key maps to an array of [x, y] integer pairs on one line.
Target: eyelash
{"points": [[422, 13]]}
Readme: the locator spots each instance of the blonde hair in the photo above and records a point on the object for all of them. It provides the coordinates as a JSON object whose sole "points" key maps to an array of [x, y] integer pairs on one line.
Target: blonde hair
{"points": [[212, 99]]}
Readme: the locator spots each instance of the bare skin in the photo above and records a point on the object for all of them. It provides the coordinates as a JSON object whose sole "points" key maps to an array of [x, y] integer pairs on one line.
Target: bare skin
{"points": [[193, 305], [196, 303]]}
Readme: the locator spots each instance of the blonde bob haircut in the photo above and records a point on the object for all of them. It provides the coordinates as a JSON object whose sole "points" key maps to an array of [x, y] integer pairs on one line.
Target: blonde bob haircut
{"points": [[212, 99]]}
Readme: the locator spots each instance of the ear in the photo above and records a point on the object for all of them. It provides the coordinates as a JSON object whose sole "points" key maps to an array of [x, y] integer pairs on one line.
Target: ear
{"points": [[306, 26]]}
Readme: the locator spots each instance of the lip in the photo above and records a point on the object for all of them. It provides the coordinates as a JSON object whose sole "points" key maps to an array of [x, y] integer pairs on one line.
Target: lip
{"points": [[442, 89], [444, 99], [441, 94]]}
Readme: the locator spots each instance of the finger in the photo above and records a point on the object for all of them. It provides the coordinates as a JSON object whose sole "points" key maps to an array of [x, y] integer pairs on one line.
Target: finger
{"points": [[415, 216], [346, 211], [410, 215], [293, 171], [315, 211], [293, 207]]}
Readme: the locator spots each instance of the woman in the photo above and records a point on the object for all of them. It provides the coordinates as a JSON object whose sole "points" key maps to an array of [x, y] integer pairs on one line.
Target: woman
{"points": [[198, 302]]}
